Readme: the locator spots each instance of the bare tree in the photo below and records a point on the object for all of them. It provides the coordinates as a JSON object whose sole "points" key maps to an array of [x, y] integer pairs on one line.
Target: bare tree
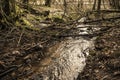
{"points": [[99, 5], [48, 3], [94, 5], [80, 4], [26, 1], [65, 7], [7, 8], [115, 4]]}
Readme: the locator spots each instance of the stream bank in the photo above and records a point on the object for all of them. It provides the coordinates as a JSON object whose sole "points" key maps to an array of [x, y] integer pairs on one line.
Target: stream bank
{"points": [[50, 57], [21, 61], [103, 63]]}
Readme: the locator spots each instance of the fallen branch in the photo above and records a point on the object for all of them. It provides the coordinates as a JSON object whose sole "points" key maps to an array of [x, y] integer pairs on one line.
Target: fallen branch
{"points": [[85, 35], [77, 35], [99, 20], [10, 70], [107, 11], [20, 37]]}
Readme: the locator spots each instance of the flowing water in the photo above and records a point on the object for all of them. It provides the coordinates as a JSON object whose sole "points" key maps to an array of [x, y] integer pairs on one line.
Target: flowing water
{"points": [[70, 61]]}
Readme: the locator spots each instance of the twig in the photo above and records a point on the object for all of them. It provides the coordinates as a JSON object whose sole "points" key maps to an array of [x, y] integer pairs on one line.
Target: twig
{"points": [[13, 68], [20, 37], [10, 32]]}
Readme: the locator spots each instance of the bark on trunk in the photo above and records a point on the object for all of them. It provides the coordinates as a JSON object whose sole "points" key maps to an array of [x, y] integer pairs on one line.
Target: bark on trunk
{"points": [[48, 3]]}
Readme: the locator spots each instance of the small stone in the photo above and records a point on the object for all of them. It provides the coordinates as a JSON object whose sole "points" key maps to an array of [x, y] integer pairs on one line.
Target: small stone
{"points": [[16, 53]]}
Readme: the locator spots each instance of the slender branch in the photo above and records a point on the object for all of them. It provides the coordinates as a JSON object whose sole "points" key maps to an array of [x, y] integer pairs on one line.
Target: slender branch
{"points": [[20, 37], [107, 11], [99, 20]]}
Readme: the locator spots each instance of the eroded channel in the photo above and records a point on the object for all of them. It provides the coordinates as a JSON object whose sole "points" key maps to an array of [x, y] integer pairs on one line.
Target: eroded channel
{"points": [[67, 60]]}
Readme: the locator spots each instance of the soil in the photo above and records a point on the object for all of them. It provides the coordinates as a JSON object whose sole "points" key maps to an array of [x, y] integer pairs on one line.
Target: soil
{"points": [[104, 61], [21, 51]]}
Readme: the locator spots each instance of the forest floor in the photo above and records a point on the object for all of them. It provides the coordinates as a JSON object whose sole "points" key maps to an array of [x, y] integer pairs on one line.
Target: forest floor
{"points": [[21, 50], [104, 62]]}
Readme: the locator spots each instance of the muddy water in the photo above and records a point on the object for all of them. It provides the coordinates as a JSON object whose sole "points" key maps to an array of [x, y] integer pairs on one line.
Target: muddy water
{"points": [[71, 61], [67, 59]]}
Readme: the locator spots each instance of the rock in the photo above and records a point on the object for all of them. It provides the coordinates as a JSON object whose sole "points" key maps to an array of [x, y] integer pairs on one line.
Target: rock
{"points": [[82, 20]]}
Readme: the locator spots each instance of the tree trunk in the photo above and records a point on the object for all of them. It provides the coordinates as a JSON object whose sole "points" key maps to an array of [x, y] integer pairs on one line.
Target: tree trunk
{"points": [[99, 5], [65, 8], [8, 6], [115, 4], [7, 12], [26, 1], [94, 5], [48, 3], [80, 4]]}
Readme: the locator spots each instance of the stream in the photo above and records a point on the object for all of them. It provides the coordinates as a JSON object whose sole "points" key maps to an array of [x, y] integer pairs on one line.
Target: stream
{"points": [[71, 61], [68, 58]]}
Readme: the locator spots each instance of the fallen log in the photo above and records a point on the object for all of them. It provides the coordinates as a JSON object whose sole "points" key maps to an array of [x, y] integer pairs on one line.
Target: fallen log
{"points": [[94, 34], [107, 11], [100, 20]]}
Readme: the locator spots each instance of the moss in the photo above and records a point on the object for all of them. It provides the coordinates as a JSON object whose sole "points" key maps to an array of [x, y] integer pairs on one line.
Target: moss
{"points": [[58, 20], [18, 10], [92, 52], [38, 18], [26, 22]]}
